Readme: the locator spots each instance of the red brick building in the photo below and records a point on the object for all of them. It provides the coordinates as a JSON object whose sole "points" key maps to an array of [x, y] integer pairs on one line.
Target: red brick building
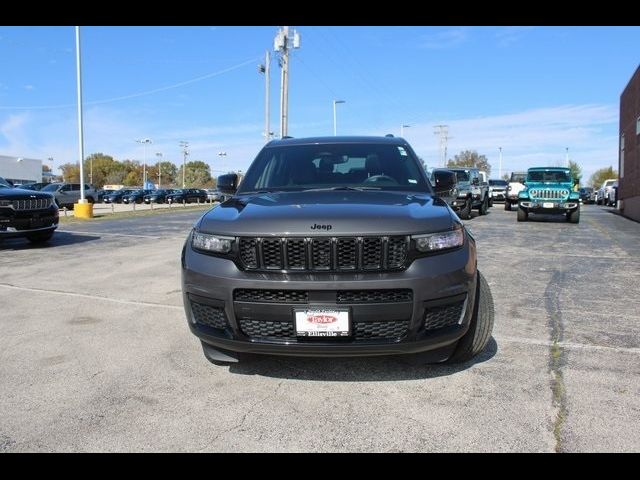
{"points": [[629, 153]]}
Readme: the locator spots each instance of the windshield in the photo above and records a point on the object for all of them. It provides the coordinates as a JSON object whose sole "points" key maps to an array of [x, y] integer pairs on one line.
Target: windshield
{"points": [[462, 176], [52, 187], [4, 183], [343, 165], [498, 183], [551, 176], [518, 177]]}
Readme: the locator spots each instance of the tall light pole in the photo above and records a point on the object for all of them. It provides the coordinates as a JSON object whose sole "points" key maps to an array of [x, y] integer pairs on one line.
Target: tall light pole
{"points": [[500, 164], [566, 159], [159, 163], [335, 128], [443, 132], [145, 142], [282, 44], [185, 152], [266, 69], [402, 127], [80, 125]]}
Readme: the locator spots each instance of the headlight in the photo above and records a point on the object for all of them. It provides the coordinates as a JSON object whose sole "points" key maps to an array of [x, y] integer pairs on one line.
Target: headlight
{"points": [[439, 241], [211, 243]]}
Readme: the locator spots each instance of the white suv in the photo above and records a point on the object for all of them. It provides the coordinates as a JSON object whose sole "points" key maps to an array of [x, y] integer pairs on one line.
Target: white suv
{"points": [[604, 192]]}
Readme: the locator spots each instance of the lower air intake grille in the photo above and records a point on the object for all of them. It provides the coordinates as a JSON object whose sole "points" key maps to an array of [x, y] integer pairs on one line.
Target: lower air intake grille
{"points": [[210, 316], [443, 316]]}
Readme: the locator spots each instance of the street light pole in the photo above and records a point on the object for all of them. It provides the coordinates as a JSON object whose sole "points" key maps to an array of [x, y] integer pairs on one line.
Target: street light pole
{"points": [[144, 142], [266, 69], [185, 152], [567, 156], [159, 155], [80, 125], [402, 127], [335, 128], [500, 165]]}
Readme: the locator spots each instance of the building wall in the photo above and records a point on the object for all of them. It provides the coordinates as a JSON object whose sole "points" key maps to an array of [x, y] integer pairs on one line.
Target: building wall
{"points": [[24, 171], [629, 156]]}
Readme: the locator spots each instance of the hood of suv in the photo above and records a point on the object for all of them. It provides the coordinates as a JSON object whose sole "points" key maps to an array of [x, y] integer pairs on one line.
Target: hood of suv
{"points": [[21, 194], [328, 213]]}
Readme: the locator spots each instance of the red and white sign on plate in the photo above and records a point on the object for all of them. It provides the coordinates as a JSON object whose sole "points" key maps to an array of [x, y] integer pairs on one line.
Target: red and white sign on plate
{"points": [[320, 322]]}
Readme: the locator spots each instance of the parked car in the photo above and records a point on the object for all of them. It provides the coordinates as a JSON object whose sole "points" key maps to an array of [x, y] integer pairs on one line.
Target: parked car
{"points": [[586, 195], [118, 195], [549, 190], [68, 194], [214, 195], [27, 213], [515, 186], [137, 196], [498, 190], [612, 196], [472, 190], [331, 247], [440, 176], [187, 195], [158, 196], [603, 191], [103, 193]]}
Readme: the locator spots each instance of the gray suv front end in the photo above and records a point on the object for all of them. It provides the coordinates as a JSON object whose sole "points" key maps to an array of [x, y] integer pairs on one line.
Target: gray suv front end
{"points": [[359, 267]]}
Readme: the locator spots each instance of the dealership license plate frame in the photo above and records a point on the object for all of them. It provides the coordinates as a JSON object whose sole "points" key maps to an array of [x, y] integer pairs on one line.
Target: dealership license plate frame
{"points": [[344, 322], [548, 205]]}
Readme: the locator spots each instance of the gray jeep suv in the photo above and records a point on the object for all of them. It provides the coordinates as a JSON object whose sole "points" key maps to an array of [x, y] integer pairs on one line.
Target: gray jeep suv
{"points": [[334, 246]]}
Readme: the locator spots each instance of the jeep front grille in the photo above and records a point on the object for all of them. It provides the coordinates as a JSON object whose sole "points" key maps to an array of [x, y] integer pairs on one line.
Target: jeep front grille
{"points": [[324, 253], [548, 194], [27, 204]]}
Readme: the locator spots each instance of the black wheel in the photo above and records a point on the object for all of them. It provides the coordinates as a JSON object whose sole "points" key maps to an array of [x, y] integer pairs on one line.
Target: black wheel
{"points": [[465, 213], [40, 237], [523, 215], [479, 333], [507, 205], [490, 202], [574, 217], [484, 206], [90, 200]]}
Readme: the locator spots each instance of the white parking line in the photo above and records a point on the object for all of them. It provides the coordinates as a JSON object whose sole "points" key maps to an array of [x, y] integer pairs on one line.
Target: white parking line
{"points": [[569, 345], [90, 297]]}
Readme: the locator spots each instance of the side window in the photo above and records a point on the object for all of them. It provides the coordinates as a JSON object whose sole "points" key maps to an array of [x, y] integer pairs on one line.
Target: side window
{"points": [[65, 188], [75, 187]]}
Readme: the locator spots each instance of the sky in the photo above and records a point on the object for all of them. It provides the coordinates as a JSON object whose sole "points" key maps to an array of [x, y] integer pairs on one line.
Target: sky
{"points": [[534, 91]]}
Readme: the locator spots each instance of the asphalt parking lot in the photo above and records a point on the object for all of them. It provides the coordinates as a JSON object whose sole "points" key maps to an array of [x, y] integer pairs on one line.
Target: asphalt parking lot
{"points": [[95, 353]]}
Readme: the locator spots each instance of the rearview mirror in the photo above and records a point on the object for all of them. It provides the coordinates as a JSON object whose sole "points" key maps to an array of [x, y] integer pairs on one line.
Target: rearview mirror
{"points": [[444, 182], [228, 183]]}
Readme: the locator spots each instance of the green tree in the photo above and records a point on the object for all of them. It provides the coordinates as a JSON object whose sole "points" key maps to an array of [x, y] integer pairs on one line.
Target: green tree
{"points": [[169, 171], [197, 174], [576, 171], [599, 176], [506, 177], [470, 158], [70, 172], [102, 166]]}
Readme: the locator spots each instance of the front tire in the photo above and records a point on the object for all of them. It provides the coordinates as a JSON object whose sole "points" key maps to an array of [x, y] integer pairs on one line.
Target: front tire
{"points": [[465, 213], [574, 217], [523, 215], [475, 340], [507, 205], [484, 206]]}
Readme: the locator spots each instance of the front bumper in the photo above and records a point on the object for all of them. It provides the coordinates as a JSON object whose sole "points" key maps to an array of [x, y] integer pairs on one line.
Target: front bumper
{"points": [[500, 195], [438, 283], [539, 206]]}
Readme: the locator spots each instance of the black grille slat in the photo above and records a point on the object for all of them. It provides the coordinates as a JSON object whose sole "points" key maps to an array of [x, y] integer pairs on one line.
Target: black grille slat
{"points": [[443, 316], [272, 253], [31, 204], [248, 253], [209, 315], [381, 330], [324, 254], [374, 296], [270, 296], [347, 249]]}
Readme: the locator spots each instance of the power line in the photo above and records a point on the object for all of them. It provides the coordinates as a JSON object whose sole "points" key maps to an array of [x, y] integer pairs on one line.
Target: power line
{"points": [[139, 94]]}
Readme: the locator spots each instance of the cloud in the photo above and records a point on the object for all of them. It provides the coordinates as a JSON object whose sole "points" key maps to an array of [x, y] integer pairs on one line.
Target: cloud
{"points": [[446, 39], [528, 138], [29, 87], [509, 35]]}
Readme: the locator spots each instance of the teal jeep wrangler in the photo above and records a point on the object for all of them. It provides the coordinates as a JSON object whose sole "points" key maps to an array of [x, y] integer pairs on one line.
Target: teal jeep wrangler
{"points": [[549, 190]]}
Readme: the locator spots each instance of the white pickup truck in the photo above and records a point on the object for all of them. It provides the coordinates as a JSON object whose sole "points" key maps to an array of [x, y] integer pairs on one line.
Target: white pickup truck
{"points": [[516, 185]]}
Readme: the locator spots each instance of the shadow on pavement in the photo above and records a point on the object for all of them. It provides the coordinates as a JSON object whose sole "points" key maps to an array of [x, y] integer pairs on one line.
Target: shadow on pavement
{"points": [[360, 369], [59, 239]]}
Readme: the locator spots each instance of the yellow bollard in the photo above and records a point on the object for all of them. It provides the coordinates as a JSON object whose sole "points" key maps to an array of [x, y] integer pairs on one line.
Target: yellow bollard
{"points": [[83, 210]]}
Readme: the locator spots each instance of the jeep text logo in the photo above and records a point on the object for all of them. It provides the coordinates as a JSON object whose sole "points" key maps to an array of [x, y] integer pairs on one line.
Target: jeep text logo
{"points": [[317, 226]]}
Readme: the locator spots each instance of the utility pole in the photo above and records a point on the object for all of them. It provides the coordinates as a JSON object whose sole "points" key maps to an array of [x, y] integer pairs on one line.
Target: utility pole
{"points": [[159, 155], [145, 142], [282, 44], [402, 127], [335, 128], [185, 152], [566, 159], [500, 164], [80, 125], [266, 69], [443, 132]]}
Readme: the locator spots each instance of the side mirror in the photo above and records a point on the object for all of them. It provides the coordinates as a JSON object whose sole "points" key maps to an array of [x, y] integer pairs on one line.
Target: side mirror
{"points": [[228, 183], [444, 182]]}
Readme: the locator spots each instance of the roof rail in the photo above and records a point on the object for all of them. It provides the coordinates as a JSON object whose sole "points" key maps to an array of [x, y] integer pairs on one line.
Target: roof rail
{"points": [[286, 136], [389, 135]]}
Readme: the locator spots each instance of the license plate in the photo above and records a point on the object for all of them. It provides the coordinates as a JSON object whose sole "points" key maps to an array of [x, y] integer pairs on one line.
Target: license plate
{"points": [[548, 205], [322, 322]]}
